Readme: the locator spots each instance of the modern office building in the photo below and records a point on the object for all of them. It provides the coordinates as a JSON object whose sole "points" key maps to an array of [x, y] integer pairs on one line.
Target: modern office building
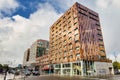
{"points": [[37, 49], [42, 57], [76, 44]]}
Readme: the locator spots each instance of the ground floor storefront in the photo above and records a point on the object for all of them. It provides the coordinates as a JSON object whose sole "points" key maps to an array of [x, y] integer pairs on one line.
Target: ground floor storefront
{"points": [[83, 68]]}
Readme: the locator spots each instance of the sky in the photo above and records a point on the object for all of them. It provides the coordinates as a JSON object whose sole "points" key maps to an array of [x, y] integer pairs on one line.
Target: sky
{"points": [[24, 21]]}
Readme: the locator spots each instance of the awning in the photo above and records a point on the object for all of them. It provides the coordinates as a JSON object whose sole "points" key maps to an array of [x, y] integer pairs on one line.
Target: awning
{"points": [[47, 67]]}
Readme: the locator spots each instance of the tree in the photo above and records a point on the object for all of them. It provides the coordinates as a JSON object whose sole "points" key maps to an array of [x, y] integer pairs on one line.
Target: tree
{"points": [[1, 68], [116, 65], [6, 68]]}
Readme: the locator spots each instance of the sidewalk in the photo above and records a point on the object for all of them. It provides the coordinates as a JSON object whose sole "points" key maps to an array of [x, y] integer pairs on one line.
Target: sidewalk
{"points": [[10, 77]]}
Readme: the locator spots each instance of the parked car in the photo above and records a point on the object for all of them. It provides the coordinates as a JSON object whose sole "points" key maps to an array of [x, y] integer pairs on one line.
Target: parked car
{"points": [[11, 71], [17, 73], [116, 72], [36, 73], [27, 72]]}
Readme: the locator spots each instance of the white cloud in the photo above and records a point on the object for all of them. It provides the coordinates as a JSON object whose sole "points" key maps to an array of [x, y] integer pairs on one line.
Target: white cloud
{"points": [[23, 32], [18, 33], [109, 17], [8, 6], [103, 3]]}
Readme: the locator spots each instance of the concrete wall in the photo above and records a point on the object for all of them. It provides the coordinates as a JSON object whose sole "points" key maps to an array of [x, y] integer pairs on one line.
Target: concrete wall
{"points": [[102, 68]]}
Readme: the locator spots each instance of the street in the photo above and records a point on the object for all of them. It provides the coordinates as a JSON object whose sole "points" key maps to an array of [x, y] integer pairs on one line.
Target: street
{"points": [[48, 77], [53, 77]]}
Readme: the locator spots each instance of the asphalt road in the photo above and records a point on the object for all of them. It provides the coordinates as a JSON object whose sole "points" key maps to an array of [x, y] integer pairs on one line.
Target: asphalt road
{"points": [[47, 77]]}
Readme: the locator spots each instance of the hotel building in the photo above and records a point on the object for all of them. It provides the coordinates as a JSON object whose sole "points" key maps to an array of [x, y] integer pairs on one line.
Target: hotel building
{"points": [[76, 44]]}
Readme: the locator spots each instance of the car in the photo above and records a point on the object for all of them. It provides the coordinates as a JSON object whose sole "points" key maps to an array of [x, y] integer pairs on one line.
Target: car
{"points": [[27, 72], [36, 73], [116, 72], [12, 71], [17, 73]]}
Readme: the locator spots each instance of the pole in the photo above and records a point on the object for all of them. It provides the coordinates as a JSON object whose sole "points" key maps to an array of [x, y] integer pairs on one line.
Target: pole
{"points": [[5, 75], [6, 70]]}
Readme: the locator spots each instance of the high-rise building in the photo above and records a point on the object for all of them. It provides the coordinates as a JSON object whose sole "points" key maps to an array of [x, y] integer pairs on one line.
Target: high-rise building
{"points": [[76, 43]]}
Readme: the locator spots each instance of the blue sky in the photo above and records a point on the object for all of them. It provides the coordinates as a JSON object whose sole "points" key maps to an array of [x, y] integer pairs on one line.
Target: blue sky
{"points": [[26, 7], [24, 21], [30, 6]]}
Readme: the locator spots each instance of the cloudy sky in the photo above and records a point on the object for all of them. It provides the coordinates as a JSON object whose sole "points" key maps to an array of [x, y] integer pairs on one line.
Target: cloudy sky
{"points": [[24, 21]]}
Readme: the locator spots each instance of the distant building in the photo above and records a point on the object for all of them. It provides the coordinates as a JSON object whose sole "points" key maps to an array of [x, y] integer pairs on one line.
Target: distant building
{"points": [[42, 57], [26, 57], [76, 44], [37, 49]]}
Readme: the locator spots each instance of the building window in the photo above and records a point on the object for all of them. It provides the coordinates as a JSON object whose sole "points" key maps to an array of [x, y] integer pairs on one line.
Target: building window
{"points": [[64, 41], [65, 58], [100, 39], [102, 51], [78, 55], [75, 23], [64, 31], [69, 33], [71, 56], [65, 46], [98, 29], [97, 24], [82, 9], [63, 17], [58, 22], [65, 35], [69, 22], [82, 13], [57, 66], [60, 25], [77, 48], [93, 14], [64, 26], [99, 34], [75, 17], [69, 17], [65, 52], [66, 65], [63, 22], [75, 29], [76, 41], [69, 27], [76, 35], [101, 45], [71, 50], [70, 38], [60, 29], [68, 12], [93, 19]]}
